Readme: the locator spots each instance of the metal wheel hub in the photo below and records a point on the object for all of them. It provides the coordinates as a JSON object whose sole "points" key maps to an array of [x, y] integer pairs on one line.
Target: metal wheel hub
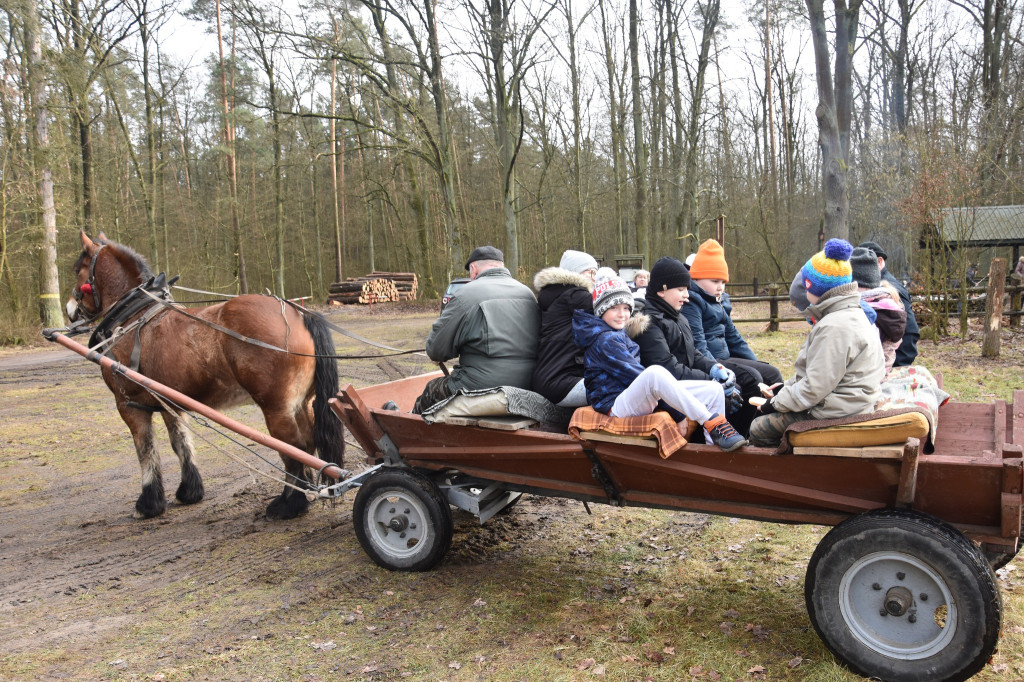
{"points": [[398, 522], [897, 606]]}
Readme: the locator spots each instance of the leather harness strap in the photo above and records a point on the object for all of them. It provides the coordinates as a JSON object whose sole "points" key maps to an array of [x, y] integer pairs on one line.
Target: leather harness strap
{"points": [[262, 344]]}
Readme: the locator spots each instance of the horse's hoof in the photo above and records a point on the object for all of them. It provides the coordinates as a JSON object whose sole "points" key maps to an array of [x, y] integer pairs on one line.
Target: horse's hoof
{"points": [[148, 508], [290, 507], [151, 502], [190, 493]]}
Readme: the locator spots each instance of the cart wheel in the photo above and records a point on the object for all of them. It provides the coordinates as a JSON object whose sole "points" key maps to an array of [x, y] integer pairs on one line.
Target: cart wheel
{"points": [[900, 595], [402, 521]]}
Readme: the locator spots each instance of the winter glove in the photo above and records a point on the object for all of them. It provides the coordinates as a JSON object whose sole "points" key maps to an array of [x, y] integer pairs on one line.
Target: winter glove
{"points": [[735, 400], [724, 376], [768, 407]]}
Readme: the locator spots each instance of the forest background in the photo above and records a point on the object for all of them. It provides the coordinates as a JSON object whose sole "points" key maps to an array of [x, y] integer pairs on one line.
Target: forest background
{"points": [[330, 138]]}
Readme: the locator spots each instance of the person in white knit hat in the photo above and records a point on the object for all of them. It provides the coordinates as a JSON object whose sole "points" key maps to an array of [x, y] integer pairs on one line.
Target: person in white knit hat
{"points": [[558, 374]]}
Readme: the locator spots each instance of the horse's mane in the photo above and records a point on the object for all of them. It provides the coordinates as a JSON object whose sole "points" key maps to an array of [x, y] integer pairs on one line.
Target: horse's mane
{"points": [[126, 255]]}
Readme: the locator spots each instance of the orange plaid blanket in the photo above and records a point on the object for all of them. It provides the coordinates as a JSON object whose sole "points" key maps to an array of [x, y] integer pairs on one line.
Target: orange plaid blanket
{"points": [[671, 437]]}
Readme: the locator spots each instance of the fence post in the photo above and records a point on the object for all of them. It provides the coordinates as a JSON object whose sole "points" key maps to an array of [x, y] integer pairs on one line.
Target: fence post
{"points": [[773, 308], [994, 308], [1015, 299], [755, 286]]}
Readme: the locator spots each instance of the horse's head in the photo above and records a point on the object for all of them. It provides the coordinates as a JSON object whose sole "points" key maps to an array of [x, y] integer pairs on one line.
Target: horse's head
{"points": [[103, 273]]}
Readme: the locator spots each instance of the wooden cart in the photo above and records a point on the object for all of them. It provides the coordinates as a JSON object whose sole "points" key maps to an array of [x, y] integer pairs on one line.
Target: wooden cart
{"points": [[902, 588]]}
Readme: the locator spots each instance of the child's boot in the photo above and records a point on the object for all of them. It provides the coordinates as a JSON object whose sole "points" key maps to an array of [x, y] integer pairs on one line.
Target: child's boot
{"points": [[723, 434]]}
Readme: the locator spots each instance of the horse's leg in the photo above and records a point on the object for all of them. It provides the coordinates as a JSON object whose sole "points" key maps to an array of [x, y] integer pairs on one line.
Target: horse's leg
{"points": [[151, 502], [190, 490], [295, 429]]}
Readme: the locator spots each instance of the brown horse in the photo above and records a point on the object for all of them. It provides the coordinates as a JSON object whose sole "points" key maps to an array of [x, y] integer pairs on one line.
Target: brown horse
{"points": [[291, 388]]}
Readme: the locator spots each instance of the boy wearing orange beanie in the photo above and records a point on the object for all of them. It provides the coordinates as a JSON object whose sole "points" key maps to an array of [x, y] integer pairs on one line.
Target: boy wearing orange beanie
{"points": [[709, 313]]}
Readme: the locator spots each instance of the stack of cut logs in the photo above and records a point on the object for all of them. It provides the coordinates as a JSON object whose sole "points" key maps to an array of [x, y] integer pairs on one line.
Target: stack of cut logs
{"points": [[376, 287]]}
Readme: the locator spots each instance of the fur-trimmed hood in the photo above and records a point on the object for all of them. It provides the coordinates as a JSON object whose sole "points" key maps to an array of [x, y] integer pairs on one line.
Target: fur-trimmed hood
{"points": [[556, 275], [637, 325]]}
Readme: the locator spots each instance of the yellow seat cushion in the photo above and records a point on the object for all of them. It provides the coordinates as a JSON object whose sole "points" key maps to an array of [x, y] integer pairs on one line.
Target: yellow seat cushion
{"points": [[884, 431]]}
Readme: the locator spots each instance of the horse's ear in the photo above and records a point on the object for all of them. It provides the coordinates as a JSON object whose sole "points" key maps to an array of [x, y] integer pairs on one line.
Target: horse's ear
{"points": [[88, 245]]}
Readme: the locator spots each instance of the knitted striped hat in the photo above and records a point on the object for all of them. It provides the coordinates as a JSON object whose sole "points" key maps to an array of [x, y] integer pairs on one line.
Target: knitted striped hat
{"points": [[610, 291], [829, 268]]}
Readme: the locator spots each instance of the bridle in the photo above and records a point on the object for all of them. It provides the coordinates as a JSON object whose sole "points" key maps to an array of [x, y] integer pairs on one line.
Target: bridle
{"points": [[89, 287]]}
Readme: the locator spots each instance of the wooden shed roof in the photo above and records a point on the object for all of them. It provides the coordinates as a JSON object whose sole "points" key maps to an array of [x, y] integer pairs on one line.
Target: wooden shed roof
{"points": [[982, 225]]}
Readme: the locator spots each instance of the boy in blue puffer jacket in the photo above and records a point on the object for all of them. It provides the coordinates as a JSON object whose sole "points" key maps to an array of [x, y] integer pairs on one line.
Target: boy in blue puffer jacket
{"points": [[618, 385], [709, 313]]}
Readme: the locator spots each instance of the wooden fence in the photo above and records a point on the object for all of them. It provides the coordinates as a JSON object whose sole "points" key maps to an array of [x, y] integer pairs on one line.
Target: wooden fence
{"points": [[976, 307]]}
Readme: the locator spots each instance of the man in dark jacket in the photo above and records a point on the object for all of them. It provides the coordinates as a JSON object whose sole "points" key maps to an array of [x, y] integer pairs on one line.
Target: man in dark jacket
{"points": [[668, 340], [907, 351], [491, 326]]}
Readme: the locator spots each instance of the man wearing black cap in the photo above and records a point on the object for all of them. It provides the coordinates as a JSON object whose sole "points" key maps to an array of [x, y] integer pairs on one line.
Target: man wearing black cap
{"points": [[907, 351], [492, 326]]}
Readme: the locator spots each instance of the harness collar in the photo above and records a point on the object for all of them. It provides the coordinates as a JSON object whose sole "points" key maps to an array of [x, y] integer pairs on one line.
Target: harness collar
{"points": [[131, 304]]}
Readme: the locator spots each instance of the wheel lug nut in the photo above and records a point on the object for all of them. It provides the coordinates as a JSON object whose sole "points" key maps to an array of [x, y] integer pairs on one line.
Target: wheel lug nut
{"points": [[391, 511], [883, 612], [407, 510], [924, 597], [901, 575], [876, 587], [912, 618], [401, 535]]}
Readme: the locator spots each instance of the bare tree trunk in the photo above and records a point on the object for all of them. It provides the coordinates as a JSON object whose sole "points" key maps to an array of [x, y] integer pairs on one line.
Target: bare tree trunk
{"points": [[639, 151], [773, 175], [49, 282], [675, 183], [689, 207], [504, 113], [616, 127], [420, 255], [335, 198], [833, 110], [994, 20], [160, 186], [446, 165], [148, 193], [229, 144], [575, 165]]}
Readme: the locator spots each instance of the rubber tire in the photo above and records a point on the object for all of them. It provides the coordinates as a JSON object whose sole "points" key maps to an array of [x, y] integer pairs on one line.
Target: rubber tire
{"points": [[425, 512], [895, 536]]}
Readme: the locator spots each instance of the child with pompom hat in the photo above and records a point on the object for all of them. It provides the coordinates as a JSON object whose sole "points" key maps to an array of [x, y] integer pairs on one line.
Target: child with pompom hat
{"points": [[840, 366]]}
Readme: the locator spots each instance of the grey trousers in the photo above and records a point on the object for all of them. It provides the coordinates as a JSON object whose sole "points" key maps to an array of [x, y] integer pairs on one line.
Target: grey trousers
{"points": [[766, 431]]}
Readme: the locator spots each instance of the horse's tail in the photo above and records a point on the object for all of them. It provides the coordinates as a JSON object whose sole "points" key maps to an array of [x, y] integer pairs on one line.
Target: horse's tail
{"points": [[328, 433]]}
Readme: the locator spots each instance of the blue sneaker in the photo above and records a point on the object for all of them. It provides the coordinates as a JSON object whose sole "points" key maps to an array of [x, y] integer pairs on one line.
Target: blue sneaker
{"points": [[723, 434]]}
